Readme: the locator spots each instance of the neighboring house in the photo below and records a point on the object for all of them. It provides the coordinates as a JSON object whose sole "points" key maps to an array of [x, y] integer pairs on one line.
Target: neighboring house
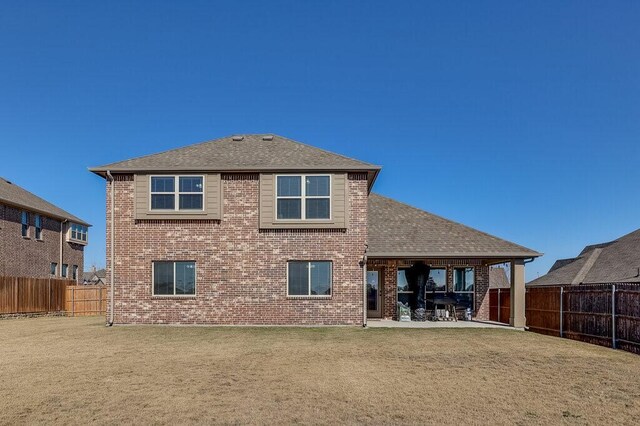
{"points": [[615, 261], [95, 277], [261, 229], [498, 278], [38, 239]]}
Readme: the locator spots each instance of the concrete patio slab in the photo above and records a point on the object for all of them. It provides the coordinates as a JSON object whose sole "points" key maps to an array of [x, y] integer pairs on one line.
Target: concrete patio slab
{"points": [[374, 323]]}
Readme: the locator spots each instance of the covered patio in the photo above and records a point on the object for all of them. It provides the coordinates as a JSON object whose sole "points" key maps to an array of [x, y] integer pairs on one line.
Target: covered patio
{"points": [[436, 268]]}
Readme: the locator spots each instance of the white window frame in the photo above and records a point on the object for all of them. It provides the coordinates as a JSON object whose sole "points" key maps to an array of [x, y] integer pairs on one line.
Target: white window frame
{"points": [[176, 194], [317, 296], [80, 231], [55, 272], [37, 227], [64, 271], [303, 197], [153, 278], [25, 216]]}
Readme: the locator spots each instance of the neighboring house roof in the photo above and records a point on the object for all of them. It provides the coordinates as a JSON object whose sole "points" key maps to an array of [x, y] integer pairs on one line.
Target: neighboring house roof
{"points": [[615, 261], [12, 194], [399, 230], [94, 276], [249, 152], [498, 278]]}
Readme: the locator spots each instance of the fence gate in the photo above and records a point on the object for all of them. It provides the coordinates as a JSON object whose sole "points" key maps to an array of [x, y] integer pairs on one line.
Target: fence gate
{"points": [[86, 300]]}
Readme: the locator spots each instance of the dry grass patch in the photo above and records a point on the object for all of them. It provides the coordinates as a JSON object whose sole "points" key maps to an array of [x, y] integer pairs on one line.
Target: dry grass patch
{"points": [[75, 370]]}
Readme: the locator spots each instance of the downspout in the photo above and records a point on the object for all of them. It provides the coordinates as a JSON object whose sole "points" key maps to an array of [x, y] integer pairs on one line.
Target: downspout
{"points": [[111, 249], [61, 247]]}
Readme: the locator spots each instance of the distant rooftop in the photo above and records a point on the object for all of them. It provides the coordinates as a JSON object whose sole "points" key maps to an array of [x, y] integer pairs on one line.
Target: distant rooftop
{"points": [[14, 195], [614, 261]]}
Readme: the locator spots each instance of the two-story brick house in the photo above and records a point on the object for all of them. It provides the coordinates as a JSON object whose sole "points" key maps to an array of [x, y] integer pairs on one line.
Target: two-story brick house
{"points": [[261, 229], [37, 238]]}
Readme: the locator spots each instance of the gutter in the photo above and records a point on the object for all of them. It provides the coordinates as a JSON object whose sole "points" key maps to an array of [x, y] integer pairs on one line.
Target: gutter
{"points": [[111, 251]]}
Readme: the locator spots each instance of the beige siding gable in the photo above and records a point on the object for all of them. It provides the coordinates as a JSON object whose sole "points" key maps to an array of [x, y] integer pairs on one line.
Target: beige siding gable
{"points": [[339, 202], [212, 200]]}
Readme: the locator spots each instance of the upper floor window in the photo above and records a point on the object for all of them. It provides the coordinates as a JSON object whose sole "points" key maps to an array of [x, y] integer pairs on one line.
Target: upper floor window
{"points": [[78, 233], [25, 224], [303, 197], [188, 194], [38, 227]]}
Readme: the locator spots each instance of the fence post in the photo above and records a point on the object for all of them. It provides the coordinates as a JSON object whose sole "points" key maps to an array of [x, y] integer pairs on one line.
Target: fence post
{"points": [[613, 316], [561, 314], [49, 300], [99, 301], [498, 305], [73, 301]]}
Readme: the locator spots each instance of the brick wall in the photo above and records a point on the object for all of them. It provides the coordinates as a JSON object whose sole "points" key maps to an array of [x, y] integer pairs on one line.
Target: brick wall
{"points": [[390, 270], [28, 257], [240, 269]]}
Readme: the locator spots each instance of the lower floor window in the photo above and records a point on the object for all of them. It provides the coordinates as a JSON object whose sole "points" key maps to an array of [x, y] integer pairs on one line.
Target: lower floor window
{"points": [[53, 268], [464, 286], [309, 278], [65, 268], [74, 272], [174, 278]]}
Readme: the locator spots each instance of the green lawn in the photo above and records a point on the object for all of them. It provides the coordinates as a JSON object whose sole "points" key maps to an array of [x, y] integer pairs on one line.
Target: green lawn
{"points": [[76, 370]]}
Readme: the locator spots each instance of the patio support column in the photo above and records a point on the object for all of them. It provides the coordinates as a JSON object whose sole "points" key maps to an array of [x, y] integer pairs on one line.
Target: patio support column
{"points": [[517, 318]]}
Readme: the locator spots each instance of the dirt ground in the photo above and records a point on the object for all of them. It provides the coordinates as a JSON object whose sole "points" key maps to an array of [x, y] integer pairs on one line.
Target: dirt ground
{"points": [[76, 370]]}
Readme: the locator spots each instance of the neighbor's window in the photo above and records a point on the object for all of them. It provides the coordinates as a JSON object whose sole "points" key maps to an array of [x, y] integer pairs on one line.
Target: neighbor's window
{"points": [[463, 286], [188, 194], [74, 272], [174, 278], [303, 197], [65, 269], [309, 278], [38, 227], [53, 268], [79, 232], [25, 224]]}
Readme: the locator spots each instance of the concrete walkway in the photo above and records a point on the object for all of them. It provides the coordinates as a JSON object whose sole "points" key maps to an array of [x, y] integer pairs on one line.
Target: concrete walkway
{"points": [[375, 323]]}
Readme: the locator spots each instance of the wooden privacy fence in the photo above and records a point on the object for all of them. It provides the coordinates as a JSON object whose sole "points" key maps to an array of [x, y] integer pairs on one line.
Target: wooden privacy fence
{"points": [[84, 300], [500, 304], [604, 314], [23, 295]]}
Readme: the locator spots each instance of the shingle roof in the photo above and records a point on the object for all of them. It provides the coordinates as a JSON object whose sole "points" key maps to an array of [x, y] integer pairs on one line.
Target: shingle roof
{"points": [[399, 230], [615, 261], [10, 193], [251, 153]]}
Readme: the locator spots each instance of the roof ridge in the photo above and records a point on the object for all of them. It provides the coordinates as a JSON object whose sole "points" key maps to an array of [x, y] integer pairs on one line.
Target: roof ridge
{"points": [[323, 150], [166, 151], [454, 222]]}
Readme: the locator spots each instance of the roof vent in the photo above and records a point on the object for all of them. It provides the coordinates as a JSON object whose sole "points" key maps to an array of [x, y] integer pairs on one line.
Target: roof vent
{"points": [[267, 138], [237, 138]]}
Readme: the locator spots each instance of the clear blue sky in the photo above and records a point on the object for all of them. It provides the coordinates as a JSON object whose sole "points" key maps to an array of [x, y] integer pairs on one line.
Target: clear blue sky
{"points": [[518, 118]]}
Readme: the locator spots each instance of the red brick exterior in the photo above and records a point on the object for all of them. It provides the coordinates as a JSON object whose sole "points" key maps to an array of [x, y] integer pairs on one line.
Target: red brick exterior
{"points": [[240, 269], [28, 257], [390, 267]]}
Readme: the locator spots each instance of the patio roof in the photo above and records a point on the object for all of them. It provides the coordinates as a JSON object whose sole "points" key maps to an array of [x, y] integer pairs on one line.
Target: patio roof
{"points": [[398, 230]]}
